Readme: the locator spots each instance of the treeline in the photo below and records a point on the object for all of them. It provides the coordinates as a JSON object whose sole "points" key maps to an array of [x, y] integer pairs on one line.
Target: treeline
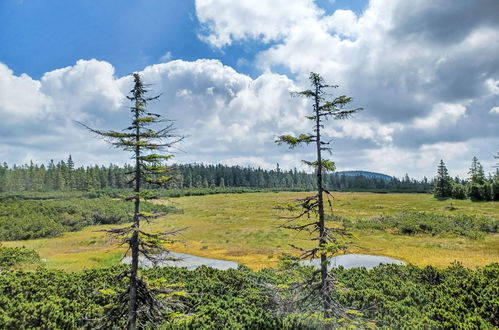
{"points": [[476, 187], [64, 176]]}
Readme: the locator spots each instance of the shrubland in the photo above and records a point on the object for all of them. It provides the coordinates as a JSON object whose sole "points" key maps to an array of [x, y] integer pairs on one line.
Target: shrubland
{"points": [[388, 296], [243, 228], [22, 219], [413, 223], [17, 256]]}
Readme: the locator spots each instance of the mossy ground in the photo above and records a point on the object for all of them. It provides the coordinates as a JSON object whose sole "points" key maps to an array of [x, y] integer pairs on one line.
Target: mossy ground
{"points": [[244, 228]]}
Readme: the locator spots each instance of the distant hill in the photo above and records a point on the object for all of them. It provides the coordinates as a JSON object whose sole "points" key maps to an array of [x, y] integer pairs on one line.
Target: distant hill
{"points": [[366, 174]]}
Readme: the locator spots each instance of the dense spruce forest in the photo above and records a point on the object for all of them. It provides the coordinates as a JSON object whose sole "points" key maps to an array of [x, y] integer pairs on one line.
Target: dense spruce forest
{"points": [[65, 176]]}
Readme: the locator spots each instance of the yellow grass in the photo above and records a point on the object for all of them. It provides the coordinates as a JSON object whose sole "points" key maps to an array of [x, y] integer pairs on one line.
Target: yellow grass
{"points": [[244, 228]]}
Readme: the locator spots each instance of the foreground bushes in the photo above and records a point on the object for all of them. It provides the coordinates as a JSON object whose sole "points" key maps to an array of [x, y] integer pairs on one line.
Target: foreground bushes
{"points": [[388, 296], [13, 256], [28, 219]]}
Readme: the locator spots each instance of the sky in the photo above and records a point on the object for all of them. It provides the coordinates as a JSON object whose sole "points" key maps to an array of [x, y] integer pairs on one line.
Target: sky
{"points": [[426, 73]]}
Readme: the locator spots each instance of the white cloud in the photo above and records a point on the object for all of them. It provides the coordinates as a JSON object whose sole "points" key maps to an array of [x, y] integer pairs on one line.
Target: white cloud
{"points": [[167, 57], [380, 134], [442, 114], [493, 86], [21, 98], [82, 86], [224, 114], [248, 161], [419, 68], [398, 161], [227, 20], [494, 110]]}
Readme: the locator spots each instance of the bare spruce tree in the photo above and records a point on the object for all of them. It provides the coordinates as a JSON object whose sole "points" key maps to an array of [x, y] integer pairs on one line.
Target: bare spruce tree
{"points": [[313, 207], [139, 303]]}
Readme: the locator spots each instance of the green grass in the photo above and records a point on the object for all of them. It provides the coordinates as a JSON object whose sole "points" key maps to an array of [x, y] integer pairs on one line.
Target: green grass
{"points": [[244, 228]]}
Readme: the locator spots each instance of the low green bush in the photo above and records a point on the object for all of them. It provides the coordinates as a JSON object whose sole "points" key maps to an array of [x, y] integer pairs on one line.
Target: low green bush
{"points": [[11, 256], [411, 223], [28, 219], [388, 297]]}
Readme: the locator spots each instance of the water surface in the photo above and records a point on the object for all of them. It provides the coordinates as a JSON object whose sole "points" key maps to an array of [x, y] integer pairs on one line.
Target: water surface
{"points": [[192, 262], [185, 260], [355, 260]]}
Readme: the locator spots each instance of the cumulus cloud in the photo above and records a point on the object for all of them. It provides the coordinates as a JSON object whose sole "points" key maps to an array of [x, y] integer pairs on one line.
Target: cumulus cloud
{"points": [[21, 98], [225, 115], [425, 71], [225, 20], [85, 86], [442, 114], [493, 86], [39, 115]]}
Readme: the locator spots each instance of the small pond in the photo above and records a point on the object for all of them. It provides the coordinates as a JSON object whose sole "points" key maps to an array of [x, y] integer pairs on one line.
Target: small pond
{"points": [[355, 260], [191, 262], [186, 260]]}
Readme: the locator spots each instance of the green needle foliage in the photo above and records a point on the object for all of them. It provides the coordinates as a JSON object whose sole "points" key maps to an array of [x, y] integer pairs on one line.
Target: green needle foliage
{"points": [[443, 182], [313, 207], [139, 305]]}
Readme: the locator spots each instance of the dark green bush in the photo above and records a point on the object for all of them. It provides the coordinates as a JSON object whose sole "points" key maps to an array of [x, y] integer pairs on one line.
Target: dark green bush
{"points": [[390, 296], [411, 223], [27, 219], [458, 191], [11, 256]]}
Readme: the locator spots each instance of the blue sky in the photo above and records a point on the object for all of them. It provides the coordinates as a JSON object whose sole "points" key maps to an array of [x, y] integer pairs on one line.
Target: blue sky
{"points": [[426, 73], [38, 36]]}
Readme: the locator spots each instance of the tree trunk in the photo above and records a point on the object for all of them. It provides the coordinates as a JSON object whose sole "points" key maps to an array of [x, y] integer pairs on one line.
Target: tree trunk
{"points": [[322, 239], [132, 307], [134, 241]]}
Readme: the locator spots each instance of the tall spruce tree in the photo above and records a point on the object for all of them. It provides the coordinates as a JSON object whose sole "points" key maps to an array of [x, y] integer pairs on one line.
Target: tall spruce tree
{"points": [[145, 143], [477, 187], [313, 207], [443, 183], [477, 175], [70, 173]]}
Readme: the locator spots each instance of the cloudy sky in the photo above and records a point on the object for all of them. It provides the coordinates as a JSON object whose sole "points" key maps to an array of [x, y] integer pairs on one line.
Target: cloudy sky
{"points": [[426, 72]]}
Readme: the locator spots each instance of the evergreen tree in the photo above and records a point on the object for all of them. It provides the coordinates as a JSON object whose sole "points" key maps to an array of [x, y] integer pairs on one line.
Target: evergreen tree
{"points": [[70, 177], [477, 189], [495, 185], [143, 141], [477, 175], [34, 177], [458, 191], [443, 183], [328, 239]]}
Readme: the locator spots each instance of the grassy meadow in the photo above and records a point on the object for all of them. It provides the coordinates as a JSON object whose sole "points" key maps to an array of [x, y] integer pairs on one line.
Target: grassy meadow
{"points": [[244, 228]]}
